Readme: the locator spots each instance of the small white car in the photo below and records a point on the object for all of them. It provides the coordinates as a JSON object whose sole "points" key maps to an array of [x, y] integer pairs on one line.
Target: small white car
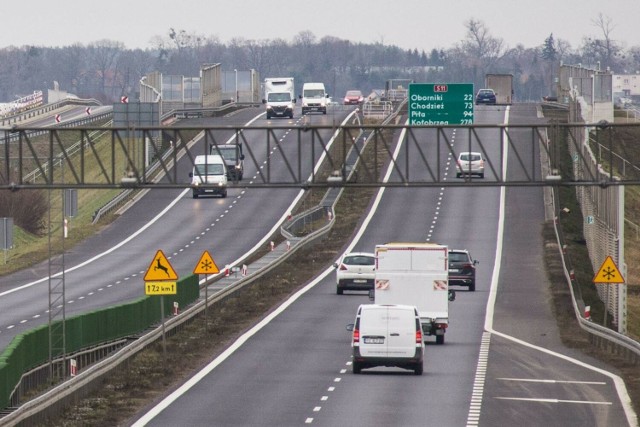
{"points": [[355, 272], [470, 163]]}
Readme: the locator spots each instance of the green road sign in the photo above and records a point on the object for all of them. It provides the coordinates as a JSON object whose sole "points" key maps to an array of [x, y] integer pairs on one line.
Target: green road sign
{"points": [[438, 104]]}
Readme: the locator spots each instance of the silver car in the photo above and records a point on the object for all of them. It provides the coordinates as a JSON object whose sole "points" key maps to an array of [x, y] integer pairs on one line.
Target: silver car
{"points": [[470, 163]]}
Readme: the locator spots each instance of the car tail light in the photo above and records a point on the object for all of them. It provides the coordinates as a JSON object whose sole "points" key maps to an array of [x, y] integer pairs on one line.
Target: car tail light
{"points": [[418, 336], [356, 335], [343, 267], [441, 325]]}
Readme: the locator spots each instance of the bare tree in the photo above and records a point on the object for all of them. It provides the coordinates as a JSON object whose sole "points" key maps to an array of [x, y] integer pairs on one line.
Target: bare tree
{"points": [[482, 49], [102, 56], [606, 48]]}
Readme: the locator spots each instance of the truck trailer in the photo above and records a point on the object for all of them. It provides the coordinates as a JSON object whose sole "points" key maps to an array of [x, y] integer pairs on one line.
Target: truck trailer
{"points": [[502, 85], [416, 274], [279, 97]]}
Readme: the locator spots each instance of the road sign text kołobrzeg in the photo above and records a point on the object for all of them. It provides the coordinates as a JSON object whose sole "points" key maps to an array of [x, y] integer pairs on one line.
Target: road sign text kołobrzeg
{"points": [[441, 104]]}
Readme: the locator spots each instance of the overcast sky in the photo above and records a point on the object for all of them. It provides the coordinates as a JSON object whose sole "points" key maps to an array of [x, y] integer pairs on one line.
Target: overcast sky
{"points": [[421, 24]]}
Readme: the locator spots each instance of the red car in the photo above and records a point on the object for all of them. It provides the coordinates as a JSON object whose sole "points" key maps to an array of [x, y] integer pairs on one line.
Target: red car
{"points": [[353, 97]]}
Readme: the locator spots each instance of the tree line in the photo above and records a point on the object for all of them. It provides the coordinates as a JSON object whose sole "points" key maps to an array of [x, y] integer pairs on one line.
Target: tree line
{"points": [[106, 70]]}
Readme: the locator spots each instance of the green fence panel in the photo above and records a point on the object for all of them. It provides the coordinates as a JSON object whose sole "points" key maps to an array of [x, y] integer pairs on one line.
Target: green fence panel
{"points": [[31, 349]]}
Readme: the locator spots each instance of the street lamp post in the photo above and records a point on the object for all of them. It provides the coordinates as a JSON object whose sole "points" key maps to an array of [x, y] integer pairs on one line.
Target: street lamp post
{"points": [[236, 72]]}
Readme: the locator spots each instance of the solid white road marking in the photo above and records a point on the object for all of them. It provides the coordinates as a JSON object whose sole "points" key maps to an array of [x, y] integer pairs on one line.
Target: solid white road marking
{"points": [[533, 399], [530, 380], [620, 387]]}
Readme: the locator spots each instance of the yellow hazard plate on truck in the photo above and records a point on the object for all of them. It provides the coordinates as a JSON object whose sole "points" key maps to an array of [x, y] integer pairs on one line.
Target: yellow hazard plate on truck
{"points": [[160, 288]]}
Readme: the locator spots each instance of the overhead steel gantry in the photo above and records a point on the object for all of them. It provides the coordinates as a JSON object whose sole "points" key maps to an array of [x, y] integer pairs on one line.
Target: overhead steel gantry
{"points": [[94, 157]]}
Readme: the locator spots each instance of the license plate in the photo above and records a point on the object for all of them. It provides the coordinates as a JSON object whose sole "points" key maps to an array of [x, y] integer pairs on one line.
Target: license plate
{"points": [[368, 340], [454, 270], [359, 281]]}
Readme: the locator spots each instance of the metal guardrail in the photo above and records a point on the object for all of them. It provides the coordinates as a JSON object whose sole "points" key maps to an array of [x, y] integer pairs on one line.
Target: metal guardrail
{"points": [[600, 335], [623, 344], [377, 109], [47, 108]]}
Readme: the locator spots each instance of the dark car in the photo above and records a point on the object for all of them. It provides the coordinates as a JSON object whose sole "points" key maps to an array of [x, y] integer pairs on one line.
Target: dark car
{"points": [[486, 96], [462, 269], [233, 159]]}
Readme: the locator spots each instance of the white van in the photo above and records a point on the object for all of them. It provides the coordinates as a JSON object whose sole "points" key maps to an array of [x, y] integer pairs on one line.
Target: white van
{"points": [[209, 176], [314, 98], [387, 335]]}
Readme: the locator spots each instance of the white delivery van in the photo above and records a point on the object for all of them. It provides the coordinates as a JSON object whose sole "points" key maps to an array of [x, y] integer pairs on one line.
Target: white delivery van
{"points": [[416, 274], [279, 97], [387, 335], [314, 98], [209, 175]]}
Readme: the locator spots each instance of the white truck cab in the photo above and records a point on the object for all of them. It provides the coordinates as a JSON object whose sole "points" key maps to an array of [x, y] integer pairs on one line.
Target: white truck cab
{"points": [[387, 335], [314, 98], [209, 175], [279, 97]]}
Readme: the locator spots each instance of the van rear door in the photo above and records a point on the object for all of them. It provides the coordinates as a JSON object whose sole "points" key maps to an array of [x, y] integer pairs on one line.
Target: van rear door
{"points": [[374, 331], [401, 326]]}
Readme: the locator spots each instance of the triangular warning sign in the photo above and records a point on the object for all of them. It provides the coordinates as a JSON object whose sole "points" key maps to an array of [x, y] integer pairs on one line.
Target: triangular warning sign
{"points": [[206, 265], [160, 269], [608, 273]]}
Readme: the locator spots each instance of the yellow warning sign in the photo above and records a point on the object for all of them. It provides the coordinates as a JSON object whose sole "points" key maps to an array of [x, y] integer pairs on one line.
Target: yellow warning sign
{"points": [[608, 273], [160, 269], [206, 265]]}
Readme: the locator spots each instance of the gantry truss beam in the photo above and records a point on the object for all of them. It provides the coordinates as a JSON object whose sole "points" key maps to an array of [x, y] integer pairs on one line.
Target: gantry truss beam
{"points": [[283, 156]]}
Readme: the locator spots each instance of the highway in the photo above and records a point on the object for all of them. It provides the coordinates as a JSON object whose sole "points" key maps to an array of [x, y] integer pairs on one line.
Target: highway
{"points": [[502, 362], [295, 369], [109, 267]]}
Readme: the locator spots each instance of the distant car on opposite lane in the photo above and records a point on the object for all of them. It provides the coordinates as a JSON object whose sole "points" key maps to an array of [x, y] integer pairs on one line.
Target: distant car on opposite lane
{"points": [[353, 97], [486, 96], [355, 272]]}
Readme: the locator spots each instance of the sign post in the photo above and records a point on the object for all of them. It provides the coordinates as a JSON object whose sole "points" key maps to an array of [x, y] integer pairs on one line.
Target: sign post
{"points": [[438, 104], [206, 265], [161, 279]]}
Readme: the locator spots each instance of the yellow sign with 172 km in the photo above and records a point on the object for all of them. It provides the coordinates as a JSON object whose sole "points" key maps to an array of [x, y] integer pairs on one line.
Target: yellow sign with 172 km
{"points": [[160, 288]]}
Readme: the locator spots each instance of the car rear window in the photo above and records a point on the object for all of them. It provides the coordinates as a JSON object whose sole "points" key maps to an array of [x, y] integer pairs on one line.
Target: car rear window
{"points": [[470, 157], [457, 256], [359, 260]]}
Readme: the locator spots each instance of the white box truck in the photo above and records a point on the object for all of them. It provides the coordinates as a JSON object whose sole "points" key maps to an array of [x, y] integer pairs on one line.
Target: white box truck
{"points": [[279, 97], [502, 85], [314, 98], [416, 274]]}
